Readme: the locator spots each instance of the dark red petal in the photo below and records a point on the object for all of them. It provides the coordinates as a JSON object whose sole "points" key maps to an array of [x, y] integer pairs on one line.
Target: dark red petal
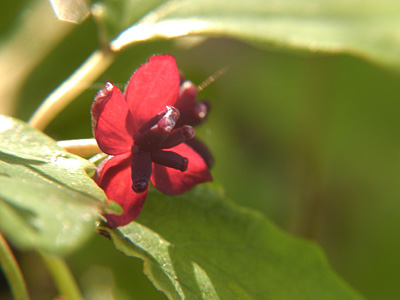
{"points": [[111, 121], [152, 87], [115, 180], [202, 150], [172, 182]]}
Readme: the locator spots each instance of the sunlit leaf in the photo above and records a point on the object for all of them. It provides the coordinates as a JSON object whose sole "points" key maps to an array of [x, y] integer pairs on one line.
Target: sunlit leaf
{"points": [[47, 200], [367, 29], [201, 246], [119, 15]]}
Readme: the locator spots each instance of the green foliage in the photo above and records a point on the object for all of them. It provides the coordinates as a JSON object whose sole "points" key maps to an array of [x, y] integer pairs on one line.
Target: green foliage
{"points": [[47, 200], [119, 15], [310, 142], [201, 245], [369, 30]]}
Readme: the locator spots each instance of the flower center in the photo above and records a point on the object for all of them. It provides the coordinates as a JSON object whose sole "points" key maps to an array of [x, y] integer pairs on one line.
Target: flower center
{"points": [[155, 135], [159, 133]]}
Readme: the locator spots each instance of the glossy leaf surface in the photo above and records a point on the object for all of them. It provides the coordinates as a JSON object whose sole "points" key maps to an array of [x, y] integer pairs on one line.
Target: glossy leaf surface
{"points": [[199, 245], [47, 200], [368, 29]]}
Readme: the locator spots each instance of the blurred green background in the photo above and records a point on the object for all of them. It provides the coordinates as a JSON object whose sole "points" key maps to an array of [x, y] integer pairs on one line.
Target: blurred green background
{"points": [[311, 141]]}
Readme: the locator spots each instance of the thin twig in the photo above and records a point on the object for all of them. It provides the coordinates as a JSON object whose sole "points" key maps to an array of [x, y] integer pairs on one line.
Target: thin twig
{"points": [[12, 271], [81, 147], [62, 277], [79, 81]]}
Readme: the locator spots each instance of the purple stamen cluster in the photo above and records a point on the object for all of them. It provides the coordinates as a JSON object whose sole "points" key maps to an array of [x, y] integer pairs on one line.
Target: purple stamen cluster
{"points": [[149, 142]]}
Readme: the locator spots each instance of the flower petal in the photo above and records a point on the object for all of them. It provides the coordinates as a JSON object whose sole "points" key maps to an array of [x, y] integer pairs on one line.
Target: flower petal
{"points": [[172, 182], [115, 180], [202, 150], [152, 87], [111, 121]]}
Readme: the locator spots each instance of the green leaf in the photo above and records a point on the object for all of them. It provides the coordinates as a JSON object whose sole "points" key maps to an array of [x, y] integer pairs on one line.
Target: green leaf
{"points": [[201, 246], [119, 15], [368, 29], [47, 200]]}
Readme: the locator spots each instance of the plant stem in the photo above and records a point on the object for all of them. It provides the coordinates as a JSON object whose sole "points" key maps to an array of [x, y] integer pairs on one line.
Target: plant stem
{"points": [[81, 147], [12, 271], [62, 277], [80, 80]]}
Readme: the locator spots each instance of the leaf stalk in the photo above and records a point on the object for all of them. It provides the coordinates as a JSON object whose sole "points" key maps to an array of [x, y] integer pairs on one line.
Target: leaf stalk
{"points": [[12, 271], [62, 277]]}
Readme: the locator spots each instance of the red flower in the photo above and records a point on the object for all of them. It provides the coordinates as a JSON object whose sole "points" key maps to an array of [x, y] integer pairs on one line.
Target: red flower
{"points": [[136, 126]]}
